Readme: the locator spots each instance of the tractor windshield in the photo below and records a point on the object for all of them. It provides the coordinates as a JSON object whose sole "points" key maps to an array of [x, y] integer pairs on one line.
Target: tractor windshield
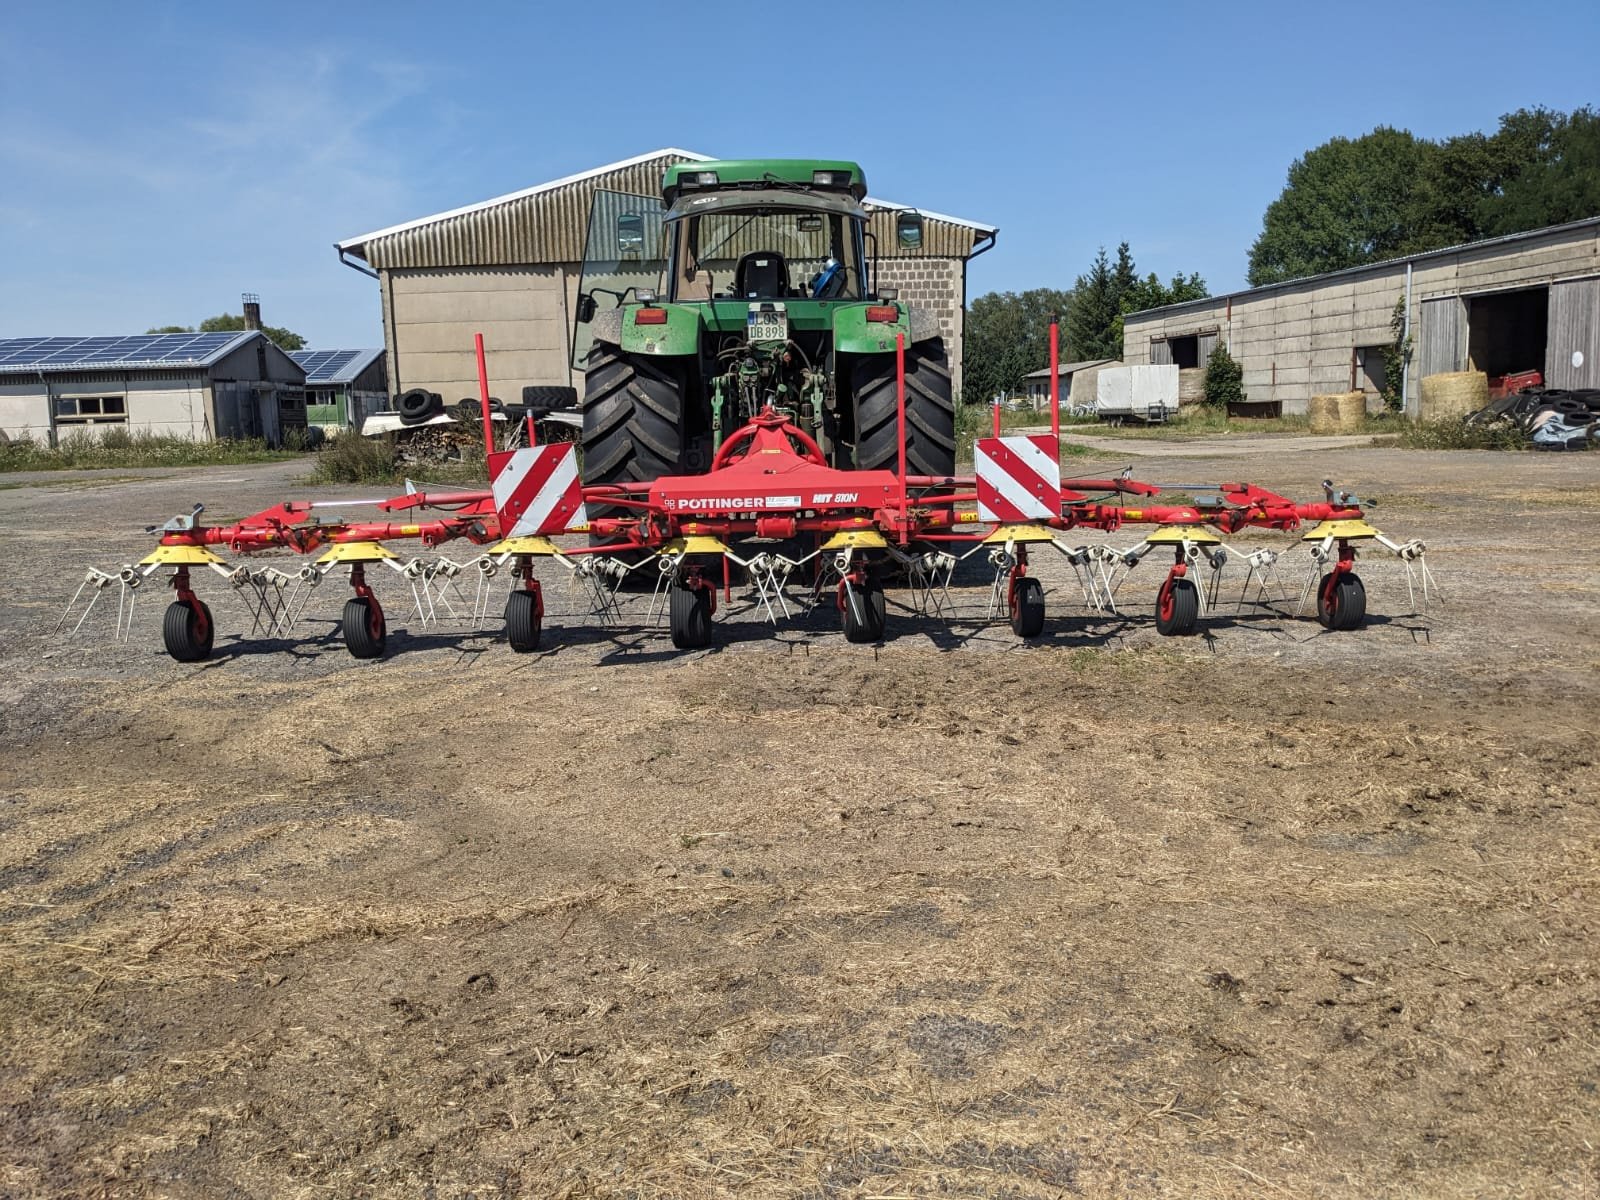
{"points": [[766, 252]]}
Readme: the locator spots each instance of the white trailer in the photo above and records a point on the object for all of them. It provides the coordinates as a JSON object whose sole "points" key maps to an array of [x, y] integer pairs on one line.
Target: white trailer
{"points": [[1144, 392]]}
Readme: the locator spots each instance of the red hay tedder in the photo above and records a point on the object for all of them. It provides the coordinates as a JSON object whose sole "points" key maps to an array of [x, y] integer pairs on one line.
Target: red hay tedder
{"points": [[768, 490]]}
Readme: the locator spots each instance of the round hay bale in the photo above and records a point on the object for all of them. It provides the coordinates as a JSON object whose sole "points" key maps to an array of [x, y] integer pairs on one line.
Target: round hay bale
{"points": [[1352, 412], [1450, 395], [1324, 414]]}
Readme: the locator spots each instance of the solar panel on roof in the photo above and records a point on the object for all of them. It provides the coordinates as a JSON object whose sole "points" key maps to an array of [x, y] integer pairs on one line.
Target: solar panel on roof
{"points": [[145, 350]]}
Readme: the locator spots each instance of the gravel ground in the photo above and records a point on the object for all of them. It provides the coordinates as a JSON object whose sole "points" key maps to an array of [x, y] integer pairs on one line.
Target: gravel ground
{"points": [[1268, 910]]}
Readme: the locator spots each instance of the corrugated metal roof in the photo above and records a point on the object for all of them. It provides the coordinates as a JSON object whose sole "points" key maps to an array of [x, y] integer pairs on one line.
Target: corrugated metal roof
{"points": [[156, 351], [1387, 264], [324, 367], [548, 223]]}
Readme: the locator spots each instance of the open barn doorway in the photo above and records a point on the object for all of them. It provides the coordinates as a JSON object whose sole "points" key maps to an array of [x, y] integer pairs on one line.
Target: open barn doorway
{"points": [[1507, 331]]}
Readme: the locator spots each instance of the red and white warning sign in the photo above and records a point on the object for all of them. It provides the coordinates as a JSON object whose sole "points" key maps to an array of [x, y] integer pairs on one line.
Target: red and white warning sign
{"points": [[537, 490], [1019, 478]]}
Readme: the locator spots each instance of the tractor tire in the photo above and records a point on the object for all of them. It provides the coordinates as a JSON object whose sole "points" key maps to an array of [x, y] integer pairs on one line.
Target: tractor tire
{"points": [[864, 615], [1027, 608], [930, 412], [689, 612], [1342, 606], [1177, 607], [187, 631], [545, 398], [417, 405], [523, 622], [366, 635], [632, 418]]}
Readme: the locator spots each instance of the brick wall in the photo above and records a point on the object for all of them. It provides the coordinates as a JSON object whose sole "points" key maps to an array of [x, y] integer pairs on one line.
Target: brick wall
{"points": [[934, 284]]}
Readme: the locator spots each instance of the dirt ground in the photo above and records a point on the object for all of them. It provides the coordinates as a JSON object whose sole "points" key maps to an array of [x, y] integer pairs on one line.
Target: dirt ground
{"points": [[1263, 912]]}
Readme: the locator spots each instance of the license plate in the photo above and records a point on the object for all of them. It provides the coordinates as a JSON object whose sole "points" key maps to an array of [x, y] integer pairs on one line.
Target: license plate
{"points": [[767, 323]]}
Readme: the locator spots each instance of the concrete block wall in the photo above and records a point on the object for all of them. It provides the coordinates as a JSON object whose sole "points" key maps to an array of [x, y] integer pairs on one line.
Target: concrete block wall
{"points": [[430, 317], [937, 285]]}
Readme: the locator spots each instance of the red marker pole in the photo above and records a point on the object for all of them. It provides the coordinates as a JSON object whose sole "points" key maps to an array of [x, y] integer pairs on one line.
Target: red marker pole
{"points": [[483, 396], [997, 418], [900, 402], [1055, 379]]}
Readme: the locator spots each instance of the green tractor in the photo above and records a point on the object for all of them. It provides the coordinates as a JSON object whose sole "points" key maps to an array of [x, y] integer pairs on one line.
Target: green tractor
{"points": [[751, 283]]}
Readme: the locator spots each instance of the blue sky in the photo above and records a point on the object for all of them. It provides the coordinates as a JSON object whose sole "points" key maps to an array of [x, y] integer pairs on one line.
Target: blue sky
{"points": [[156, 160]]}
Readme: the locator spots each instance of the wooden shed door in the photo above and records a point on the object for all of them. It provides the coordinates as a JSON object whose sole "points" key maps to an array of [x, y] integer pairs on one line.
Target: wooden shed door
{"points": [[1574, 330], [1443, 337], [1208, 346], [1160, 351]]}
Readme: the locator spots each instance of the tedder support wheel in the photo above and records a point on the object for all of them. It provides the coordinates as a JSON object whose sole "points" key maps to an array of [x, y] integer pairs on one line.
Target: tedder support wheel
{"points": [[523, 622], [689, 612], [1342, 601], [864, 613], [1177, 607], [365, 634], [187, 630], [1027, 608], [930, 412]]}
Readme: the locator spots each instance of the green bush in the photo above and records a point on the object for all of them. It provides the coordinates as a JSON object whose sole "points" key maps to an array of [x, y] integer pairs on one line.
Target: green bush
{"points": [[118, 447], [355, 459], [1224, 379]]}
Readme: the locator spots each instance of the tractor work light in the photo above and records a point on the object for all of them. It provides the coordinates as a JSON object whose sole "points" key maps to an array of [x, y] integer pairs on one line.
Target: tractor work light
{"points": [[884, 314], [699, 179], [650, 316], [830, 178]]}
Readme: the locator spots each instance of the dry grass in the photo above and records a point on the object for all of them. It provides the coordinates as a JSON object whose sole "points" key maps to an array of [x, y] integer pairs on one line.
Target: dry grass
{"points": [[680, 942]]}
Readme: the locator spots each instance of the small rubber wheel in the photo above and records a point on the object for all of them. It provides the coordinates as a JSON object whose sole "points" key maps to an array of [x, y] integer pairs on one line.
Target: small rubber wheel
{"points": [[523, 622], [1027, 608], [1177, 607], [689, 611], [187, 630], [864, 613], [365, 634], [1342, 604]]}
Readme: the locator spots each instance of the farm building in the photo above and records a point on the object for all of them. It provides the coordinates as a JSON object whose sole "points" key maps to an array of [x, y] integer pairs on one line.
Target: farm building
{"points": [[343, 386], [1077, 382], [194, 385], [510, 267], [1528, 301]]}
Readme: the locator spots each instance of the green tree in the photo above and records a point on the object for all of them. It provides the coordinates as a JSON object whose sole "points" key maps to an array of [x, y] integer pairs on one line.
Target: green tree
{"points": [[234, 323], [1096, 309], [1150, 292], [1346, 203], [1007, 337], [1559, 176], [171, 329], [1224, 379]]}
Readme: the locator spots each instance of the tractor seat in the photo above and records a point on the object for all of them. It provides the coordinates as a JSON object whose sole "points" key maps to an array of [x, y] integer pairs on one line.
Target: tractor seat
{"points": [[761, 275]]}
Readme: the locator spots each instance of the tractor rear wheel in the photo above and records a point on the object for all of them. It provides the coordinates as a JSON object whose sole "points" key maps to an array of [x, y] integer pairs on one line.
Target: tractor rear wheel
{"points": [[186, 630], [632, 418], [366, 635], [930, 412]]}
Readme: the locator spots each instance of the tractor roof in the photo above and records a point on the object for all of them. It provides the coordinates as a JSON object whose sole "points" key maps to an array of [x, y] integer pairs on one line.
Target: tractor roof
{"points": [[828, 175]]}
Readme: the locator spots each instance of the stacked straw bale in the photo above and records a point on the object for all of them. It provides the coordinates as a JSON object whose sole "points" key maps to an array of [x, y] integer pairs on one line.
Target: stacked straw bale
{"points": [[1450, 395]]}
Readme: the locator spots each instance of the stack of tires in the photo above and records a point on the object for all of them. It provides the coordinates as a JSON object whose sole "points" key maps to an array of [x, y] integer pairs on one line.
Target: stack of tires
{"points": [[1553, 418], [418, 405]]}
